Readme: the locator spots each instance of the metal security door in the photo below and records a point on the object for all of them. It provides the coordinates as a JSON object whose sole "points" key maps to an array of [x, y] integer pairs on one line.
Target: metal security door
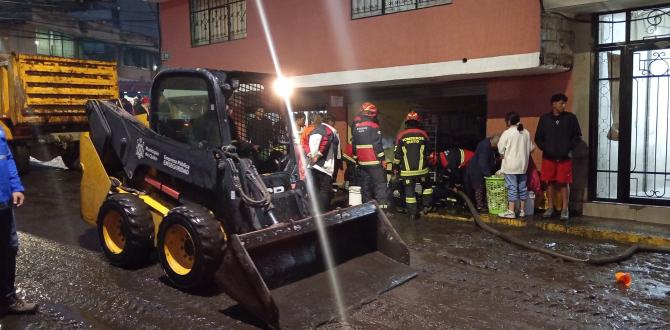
{"points": [[645, 153]]}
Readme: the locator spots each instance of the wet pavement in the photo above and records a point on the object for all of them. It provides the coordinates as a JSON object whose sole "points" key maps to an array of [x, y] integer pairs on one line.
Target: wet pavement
{"points": [[467, 279]]}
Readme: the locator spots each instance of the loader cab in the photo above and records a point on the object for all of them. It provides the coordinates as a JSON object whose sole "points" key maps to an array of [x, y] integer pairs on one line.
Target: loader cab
{"points": [[185, 107]]}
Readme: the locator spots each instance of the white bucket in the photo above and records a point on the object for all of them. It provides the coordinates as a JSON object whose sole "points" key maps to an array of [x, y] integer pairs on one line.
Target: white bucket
{"points": [[355, 195], [530, 204]]}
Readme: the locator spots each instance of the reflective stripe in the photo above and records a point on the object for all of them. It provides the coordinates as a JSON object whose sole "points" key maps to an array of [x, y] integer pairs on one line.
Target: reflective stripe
{"points": [[421, 156], [364, 146], [381, 154], [404, 157], [396, 161], [410, 200], [428, 191], [373, 162], [414, 173], [462, 155]]}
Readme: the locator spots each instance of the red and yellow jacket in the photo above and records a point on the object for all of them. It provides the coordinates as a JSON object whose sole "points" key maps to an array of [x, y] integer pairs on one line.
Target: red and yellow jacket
{"points": [[366, 138]]}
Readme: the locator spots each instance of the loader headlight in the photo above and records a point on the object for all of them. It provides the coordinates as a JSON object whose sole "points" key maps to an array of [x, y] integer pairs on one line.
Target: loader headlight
{"points": [[283, 87]]}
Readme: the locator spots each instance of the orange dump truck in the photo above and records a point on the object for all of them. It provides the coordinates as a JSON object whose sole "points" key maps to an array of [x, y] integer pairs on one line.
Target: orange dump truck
{"points": [[42, 103]]}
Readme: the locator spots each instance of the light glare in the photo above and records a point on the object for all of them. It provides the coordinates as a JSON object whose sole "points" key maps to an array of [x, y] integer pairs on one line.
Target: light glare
{"points": [[283, 87]]}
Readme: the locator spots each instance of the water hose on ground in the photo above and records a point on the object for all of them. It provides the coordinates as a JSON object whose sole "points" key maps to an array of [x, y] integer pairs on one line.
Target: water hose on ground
{"points": [[592, 260]]}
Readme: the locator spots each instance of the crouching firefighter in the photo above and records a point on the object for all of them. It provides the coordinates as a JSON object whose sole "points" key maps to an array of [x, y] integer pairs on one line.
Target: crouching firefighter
{"points": [[366, 139], [411, 149], [450, 164]]}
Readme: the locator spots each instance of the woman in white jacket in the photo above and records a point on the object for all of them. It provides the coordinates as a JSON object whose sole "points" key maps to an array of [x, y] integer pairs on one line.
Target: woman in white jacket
{"points": [[515, 146]]}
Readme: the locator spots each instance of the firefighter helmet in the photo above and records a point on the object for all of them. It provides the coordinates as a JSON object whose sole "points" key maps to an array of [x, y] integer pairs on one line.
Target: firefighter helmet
{"points": [[412, 115], [369, 109]]}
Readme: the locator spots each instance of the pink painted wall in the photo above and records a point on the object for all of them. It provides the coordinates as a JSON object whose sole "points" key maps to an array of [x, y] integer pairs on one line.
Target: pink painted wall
{"points": [[314, 36], [529, 96]]}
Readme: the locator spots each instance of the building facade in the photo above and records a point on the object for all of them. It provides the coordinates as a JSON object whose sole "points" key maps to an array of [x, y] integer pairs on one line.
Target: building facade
{"points": [[98, 30], [462, 65]]}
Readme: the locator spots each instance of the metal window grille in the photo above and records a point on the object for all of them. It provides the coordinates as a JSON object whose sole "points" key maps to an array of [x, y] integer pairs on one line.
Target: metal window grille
{"points": [[369, 8], [215, 21], [272, 136]]}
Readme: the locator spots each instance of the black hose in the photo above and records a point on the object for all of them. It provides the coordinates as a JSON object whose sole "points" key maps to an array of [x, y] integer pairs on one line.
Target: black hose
{"points": [[251, 177], [594, 261]]}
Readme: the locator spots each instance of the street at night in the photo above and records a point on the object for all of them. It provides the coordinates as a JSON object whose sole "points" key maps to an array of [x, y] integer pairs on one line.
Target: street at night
{"points": [[323, 164], [467, 278]]}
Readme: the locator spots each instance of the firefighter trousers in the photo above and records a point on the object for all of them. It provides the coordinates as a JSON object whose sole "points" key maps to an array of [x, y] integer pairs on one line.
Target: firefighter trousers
{"points": [[373, 184], [409, 185]]}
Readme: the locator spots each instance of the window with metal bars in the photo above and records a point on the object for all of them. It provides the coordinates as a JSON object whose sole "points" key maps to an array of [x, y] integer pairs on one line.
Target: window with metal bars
{"points": [[369, 8], [215, 21]]}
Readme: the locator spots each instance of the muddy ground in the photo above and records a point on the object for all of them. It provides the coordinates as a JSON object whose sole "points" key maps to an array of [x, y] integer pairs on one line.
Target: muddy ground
{"points": [[467, 279]]}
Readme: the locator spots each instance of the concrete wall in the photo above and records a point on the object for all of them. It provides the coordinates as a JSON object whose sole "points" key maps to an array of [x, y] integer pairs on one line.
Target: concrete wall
{"points": [[319, 36]]}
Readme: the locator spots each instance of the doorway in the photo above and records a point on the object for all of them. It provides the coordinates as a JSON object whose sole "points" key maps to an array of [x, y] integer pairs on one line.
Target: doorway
{"points": [[632, 89]]}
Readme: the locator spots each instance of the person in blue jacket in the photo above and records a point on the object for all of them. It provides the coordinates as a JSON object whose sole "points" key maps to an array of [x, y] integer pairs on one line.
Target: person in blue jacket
{"points": [[11, 195]]}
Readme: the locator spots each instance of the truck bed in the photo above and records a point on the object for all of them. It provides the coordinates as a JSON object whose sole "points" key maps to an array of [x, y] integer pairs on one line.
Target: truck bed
{"points": [[47, 90]]}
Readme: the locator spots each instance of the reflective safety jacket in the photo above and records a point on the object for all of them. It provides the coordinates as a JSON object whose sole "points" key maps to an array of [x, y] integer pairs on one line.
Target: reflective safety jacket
{"points": [[348, 154], [411, 151], [452, 163], [366, 139], [452, 159]]}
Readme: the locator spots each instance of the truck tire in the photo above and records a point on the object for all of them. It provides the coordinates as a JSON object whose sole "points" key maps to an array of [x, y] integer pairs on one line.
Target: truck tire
{"points": [[71, 157], [190, 246], [126, 230], [21, 154]]}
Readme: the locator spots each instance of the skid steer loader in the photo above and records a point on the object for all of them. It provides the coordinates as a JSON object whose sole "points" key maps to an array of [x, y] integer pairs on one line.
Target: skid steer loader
{"points": [[186, 186]]}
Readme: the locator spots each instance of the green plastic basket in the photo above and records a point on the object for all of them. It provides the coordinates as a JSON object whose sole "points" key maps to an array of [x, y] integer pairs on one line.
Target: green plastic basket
{"points": [[496, 194]]}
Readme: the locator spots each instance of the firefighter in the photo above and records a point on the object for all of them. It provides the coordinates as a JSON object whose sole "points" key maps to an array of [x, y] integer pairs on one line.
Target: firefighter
{"points": [[411, 151], [369, 154], [451, 163]]}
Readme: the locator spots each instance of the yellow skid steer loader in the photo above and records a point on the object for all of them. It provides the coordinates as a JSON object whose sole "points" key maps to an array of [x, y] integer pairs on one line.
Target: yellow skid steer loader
{"points": [[221, 212]]}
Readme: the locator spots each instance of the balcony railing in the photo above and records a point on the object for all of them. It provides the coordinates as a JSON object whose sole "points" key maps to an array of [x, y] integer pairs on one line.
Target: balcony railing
{"points": [[368, 8]]}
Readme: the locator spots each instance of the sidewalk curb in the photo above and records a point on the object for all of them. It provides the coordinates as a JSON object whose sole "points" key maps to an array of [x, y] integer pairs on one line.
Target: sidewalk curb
{"points": [[591, 231]]}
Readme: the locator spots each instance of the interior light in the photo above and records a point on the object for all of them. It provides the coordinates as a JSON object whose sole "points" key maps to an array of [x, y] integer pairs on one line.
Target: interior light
{"points": [[283, 87]]}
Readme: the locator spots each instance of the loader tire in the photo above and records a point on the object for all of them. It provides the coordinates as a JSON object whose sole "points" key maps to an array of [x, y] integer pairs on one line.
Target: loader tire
{"points": [[126, 230], [190, 246], [71, 157]]}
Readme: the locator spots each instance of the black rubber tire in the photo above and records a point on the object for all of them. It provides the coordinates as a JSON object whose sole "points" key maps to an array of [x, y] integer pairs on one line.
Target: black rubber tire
{"points": [[21, 154], [137, 228], [71, 157], [208, 243]]}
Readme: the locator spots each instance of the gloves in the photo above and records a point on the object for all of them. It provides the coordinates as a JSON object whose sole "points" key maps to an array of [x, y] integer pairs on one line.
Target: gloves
{"points": [[500, 173]]}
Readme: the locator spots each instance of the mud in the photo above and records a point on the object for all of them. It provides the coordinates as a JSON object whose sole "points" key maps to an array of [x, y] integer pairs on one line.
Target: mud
{"points": [[467, 279]]}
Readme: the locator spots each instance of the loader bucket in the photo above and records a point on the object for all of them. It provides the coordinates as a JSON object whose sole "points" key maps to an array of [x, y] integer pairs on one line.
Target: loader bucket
{"points": [[279, 273]]}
